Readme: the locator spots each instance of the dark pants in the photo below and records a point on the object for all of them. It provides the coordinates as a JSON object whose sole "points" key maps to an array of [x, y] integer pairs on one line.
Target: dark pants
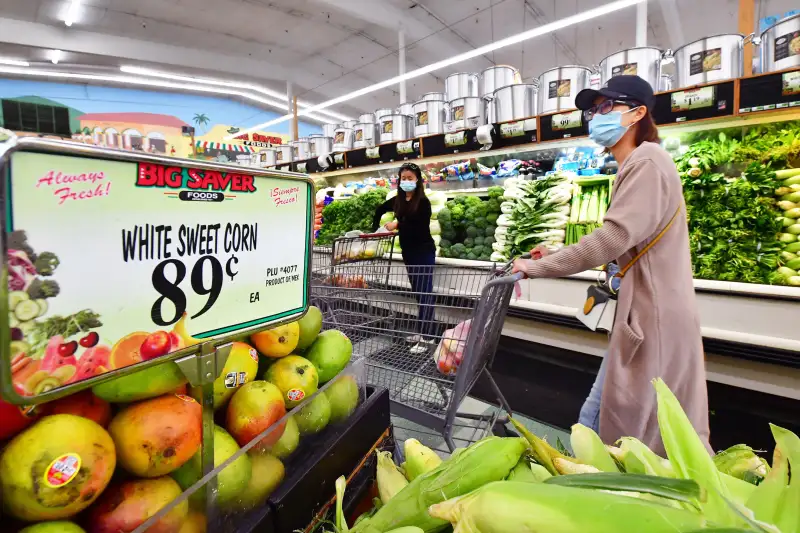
{"points": [[419, 266]]}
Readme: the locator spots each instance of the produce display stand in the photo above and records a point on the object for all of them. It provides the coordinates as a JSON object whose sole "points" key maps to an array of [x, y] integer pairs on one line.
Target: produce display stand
{"points": [[186, 262]]}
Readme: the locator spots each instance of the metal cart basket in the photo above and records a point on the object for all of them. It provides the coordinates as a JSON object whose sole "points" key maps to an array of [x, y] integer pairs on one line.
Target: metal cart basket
{"points": [[397, 316]]}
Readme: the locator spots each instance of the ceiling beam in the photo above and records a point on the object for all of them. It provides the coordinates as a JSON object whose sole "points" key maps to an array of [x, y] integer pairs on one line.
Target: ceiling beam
{"points": [[539, 16]]}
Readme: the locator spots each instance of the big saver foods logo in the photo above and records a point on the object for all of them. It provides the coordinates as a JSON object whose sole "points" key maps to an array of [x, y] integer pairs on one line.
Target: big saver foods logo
{"points": [[194, 184]]}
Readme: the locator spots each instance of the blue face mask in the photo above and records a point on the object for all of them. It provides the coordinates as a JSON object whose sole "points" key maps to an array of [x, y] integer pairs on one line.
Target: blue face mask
{"points": [[606, 130], [408, 186]]}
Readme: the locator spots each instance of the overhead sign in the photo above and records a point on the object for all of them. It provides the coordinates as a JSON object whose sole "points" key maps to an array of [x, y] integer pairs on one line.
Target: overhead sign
{"points": [[114, 262]]}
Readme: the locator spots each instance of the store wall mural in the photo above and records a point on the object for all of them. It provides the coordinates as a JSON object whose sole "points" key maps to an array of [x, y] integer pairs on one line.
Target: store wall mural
{"points": [[142, 120]]}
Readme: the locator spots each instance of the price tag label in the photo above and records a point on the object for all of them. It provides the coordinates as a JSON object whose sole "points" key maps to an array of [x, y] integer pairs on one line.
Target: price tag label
{"points": [[406, 147], [693, 99], [121, 261], [373, 153], [791, 83], [566, 121], [338, 159], [455, 139], [512, 129]]}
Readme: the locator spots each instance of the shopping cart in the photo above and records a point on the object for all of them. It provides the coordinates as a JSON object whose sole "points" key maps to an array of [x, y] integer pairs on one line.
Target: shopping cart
{"points": [[396, 326]]}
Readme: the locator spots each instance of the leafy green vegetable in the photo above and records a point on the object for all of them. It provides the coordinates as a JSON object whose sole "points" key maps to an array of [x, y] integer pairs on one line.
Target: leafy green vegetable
{"points": [[354, 213]]}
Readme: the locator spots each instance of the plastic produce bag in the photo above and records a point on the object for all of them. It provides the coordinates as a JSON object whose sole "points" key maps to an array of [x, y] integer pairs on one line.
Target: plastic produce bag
{"points": [[450, 352]]}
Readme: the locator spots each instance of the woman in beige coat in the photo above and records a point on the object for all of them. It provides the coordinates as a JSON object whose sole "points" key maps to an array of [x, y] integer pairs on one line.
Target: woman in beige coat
{"points": [[656, 330]]}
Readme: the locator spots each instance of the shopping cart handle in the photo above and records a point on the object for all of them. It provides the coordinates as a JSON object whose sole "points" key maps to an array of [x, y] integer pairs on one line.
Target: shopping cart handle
{"points": [[525, 256], [370, 235]]}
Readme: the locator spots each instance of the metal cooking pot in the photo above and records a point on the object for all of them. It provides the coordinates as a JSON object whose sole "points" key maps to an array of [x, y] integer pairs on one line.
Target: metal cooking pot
{"points": [[469, 112], [710, 59], [559, 86], [285, 154], [643, 61], [267, 157], [321, 146], [461, 85], [780, 45], [515, 102], [432, 96], [495, 77], [395, 128], [343, 139], [349, 124], [382, 112], [301, 149], [328, 130], [406, 108], [364, 135], [366, 118], [429, 117]]}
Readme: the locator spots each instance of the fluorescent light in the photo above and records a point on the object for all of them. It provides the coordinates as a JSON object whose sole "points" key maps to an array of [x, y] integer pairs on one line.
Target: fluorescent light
{"points": [[508, 41], [72, 12], [130, 80], [55, 56], [13, 62], [223, 83]]}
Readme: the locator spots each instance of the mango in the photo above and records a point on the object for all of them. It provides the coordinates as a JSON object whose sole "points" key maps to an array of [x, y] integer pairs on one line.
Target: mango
{"points": [[128, 505], [240, 368], [277, 342], [141, 385], [195, 523], [231, 481], [288, 442], [343, 396], [268, 473], [84, 404], [56, 468], [314, 416], [310, 326], [296, 378], [330, 353], [253, 409], [157, 436], [58, 526]]}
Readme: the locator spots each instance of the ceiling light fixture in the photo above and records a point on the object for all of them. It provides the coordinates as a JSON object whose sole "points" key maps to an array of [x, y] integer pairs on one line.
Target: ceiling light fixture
{"points": [[129, 80], [223, 83], [14, 62], [55, 56], [502, 43], [72, 12]]}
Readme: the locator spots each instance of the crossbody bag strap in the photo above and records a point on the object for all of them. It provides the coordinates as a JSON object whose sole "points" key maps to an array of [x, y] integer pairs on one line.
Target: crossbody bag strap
{"points": [[652, 243]]}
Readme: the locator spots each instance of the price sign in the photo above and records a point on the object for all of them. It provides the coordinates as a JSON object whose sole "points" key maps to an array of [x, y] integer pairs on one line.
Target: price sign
{"points": [[791, 83], [455, 139], [406, 147], [338, 159], [567, 121], [512, 129], [120, 261], [373, 153], [693, 99]]}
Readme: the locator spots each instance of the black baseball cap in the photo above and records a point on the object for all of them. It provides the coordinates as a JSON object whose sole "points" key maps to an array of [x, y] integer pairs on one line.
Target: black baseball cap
{"points": [[626, 88]]}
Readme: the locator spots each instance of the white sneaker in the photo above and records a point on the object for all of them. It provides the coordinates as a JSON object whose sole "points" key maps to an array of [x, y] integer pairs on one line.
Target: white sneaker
{"points": [[413, 339], [421, 347]]}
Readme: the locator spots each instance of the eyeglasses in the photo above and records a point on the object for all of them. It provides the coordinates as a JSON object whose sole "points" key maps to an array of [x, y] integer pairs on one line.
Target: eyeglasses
{"points": [[604, 107]]}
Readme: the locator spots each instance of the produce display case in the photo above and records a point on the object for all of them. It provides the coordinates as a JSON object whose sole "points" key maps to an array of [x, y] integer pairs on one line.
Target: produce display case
{"points": [[130, 384]]}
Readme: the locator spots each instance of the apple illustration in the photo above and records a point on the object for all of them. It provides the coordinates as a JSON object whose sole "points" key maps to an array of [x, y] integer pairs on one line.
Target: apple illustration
{"points": [[160, 343]]}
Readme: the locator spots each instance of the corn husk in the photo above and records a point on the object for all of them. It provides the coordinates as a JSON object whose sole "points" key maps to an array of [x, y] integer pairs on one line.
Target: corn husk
{"points": [[542, 452], [419, 459], [390, 479], [740, 461], [508, 507], [589, 449], [565, 466], [522, 472]]}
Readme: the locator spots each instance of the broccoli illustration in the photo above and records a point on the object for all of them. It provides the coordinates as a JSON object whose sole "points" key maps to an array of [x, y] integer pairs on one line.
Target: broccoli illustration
{"points": [[40, 288], [18, 240], [46, 263]]}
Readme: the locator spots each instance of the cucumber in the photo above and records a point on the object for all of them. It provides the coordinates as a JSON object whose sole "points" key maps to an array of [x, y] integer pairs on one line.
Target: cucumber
{"points": [[26, 310], [793, 248], [43, 307], [26, 327], [15, 297], [12, 320], [794, 264]]}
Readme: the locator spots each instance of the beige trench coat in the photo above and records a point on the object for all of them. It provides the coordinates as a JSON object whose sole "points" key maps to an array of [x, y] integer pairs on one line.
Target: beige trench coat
{"points": [[656, 330]]}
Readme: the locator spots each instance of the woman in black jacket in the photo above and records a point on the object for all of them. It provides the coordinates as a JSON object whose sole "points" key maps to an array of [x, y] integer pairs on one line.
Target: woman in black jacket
{"points": [[412, 211]]}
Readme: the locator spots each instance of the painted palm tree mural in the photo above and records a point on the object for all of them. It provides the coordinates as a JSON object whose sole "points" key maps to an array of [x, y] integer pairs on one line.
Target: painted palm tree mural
{"points": [[201, 120]]}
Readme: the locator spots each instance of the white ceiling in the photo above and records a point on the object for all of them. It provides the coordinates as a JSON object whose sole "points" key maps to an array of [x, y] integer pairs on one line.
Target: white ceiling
{"points": [[331, 47]]}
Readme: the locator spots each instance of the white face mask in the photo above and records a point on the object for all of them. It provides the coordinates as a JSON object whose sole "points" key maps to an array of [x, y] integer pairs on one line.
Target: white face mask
{"points": [[408, 186]]}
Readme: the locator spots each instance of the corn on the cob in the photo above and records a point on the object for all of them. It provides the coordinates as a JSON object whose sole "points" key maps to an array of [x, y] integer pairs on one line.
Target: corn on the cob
{"points": [[566, 466], [508, 507], [419, 459], [689, 457], [639, 459], [540, 450], [587, 446], [407, 529], [390, 479], [490, 459], [741, 461], [522, 472]]}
